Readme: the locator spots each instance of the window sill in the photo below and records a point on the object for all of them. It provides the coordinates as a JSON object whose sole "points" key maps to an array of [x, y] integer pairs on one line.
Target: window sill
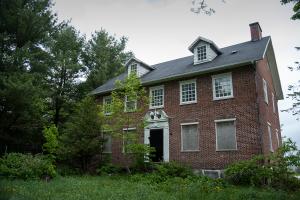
{"points": [[224, 150], [223, 98], [189, 151], [187, 103], [155, 107]]}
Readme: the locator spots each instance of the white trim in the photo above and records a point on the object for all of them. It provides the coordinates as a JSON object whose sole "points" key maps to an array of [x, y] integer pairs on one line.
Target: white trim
{"points": [[214, 77], [277, 136], [265, 89], [180, 90], [129, 129], [105, 97], [266, 47], [216, 132], [225, 120], [163, 96], [189, 123], [181, 139]]}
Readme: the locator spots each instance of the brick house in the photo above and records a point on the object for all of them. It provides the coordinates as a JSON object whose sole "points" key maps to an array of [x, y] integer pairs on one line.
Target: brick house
{"points": [[209, 109]]}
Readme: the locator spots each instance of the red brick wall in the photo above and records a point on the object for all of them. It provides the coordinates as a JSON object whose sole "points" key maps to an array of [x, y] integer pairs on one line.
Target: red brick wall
{"points": [[266, 110], [243, 107]]}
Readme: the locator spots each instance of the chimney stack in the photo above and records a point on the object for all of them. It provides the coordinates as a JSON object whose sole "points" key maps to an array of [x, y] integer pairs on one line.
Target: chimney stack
{"points": [[256, 32]]}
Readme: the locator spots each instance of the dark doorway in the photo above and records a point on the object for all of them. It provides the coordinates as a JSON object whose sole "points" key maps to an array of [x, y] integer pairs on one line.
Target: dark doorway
{"points": [[156, 141]]}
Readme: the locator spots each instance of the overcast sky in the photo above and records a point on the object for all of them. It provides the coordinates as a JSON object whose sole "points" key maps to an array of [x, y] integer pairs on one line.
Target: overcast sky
{"points": [[162, 30]]}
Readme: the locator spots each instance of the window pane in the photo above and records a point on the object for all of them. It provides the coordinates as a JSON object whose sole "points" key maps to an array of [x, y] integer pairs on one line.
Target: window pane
{"points": [[157, 97], [226, 138], [188, 92], [133, 68], [223, 86], [190, 138], [130, 105], [201, 53], [107, 105]]}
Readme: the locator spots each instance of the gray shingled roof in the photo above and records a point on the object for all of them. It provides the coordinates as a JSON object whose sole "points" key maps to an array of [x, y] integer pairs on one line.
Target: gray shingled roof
{"points": [[247, 52]]}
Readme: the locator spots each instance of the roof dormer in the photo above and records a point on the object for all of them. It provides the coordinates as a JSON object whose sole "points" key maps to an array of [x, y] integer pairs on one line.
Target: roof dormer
{"points": [[138, 67], [204, 50]]}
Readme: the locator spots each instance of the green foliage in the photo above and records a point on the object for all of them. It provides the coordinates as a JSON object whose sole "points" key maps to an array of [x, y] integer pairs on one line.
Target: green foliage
{"points": [[104, 56], [26, 166], [173, 169], [296, 8], [51, 137], [81, 138], [109, 169], [276, 173]]}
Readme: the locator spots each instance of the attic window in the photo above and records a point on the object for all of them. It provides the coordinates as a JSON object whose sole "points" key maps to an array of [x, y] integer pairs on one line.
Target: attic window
{"points": [[133, 68], [201, 53]]}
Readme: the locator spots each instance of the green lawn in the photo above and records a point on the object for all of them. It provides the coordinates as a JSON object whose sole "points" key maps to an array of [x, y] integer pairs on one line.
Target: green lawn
{"points": [[124, 187]]}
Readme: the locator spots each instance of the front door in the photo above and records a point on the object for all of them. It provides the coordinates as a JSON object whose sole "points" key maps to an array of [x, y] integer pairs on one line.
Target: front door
{"points": [[156, 141]]}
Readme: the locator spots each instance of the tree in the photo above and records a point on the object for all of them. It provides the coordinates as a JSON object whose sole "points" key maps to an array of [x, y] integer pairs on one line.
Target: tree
{"points": [[104, 58], [51, 141], [25, 26], [64, 69], [127, 115], [200, 6], [296, 8], [82, 136]]}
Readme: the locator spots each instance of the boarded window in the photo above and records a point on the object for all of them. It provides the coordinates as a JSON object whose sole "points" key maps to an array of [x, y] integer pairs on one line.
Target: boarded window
{"points": [[107, 143], [270, 138], [189, 137], [273, 101], [226, 136], [129, 138], [265, 87]]}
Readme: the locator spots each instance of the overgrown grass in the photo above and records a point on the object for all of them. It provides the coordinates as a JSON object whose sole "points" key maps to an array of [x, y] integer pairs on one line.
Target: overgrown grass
{"points": [[134, 187]]}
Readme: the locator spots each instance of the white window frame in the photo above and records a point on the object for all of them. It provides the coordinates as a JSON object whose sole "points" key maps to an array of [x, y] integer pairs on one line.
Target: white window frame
{"points": [[125, 105], [104, 103], [270, 137], [123, 139], [163, 96], [214, 77], [265, 89], [186, 124], [273, 101], [188, 82], [226, 120], [197, 54], [108, 152], [277, 136], [136, 68]]}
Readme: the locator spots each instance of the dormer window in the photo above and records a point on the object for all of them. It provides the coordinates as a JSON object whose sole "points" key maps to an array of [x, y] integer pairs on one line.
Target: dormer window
{"points": [[133, 68], [201, 53]]}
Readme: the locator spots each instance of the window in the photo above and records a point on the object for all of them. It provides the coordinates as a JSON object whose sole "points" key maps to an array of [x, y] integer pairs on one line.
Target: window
{"points": [[107, 143], [133, 68], [277, 136], [188, 92], [157, 97], [107, 105], [270, 137], [201, 53], [129, 137], [222, 86], [189, 137], [273, 101], [225, 135], [130, 104], [265, 91]]}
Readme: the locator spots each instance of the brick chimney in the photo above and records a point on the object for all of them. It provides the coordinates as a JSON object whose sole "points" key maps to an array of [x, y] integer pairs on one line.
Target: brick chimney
{"points": [[256, 32]]}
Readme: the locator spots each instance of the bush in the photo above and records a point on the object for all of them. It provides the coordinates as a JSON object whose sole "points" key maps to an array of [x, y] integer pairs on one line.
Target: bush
{"points": [[109, 169], [173, 169], [26, 166], [248, 172]]}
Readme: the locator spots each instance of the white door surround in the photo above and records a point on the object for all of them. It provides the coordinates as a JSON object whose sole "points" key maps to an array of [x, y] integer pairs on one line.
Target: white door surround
{"points": [[161, 122]]}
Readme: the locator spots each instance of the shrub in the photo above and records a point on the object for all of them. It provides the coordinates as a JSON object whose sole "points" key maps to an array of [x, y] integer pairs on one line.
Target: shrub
{"points": [[248, 172], [109, 169], [26, 166], [173, 169]]}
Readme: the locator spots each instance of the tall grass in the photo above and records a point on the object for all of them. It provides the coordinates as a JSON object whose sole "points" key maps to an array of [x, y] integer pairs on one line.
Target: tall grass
{"points": [[124, 187]]}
